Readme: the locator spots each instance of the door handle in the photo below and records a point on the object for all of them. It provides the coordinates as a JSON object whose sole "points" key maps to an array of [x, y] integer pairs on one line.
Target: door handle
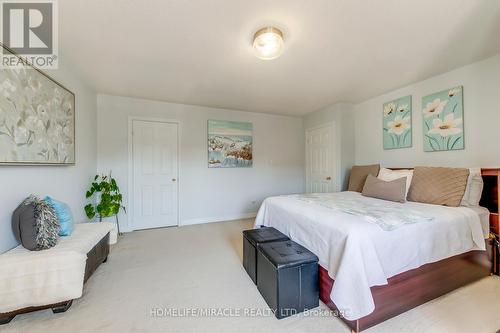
{"points": [[328, 178], [173, 179]]}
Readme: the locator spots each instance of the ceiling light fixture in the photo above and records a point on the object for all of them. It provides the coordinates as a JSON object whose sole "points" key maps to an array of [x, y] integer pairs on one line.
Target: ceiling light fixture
{"points": [[268, 43]]}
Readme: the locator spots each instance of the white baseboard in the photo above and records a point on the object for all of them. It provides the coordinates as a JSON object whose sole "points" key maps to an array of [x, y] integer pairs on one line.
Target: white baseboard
{"points": [[125, 229], [218, 219]]}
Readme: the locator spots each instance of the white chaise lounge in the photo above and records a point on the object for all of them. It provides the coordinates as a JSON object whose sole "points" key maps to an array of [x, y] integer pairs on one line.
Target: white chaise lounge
{"points": [[35, 280]]}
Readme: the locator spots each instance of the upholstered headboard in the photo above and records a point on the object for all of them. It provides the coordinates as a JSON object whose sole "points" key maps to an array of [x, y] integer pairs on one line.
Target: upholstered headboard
{"points": [[489, 198]]}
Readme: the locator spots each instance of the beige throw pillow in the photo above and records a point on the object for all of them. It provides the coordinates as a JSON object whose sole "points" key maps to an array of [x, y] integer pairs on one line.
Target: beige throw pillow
{"points": [[388, 175], [394, 190], [358, 176], [438, 186]]}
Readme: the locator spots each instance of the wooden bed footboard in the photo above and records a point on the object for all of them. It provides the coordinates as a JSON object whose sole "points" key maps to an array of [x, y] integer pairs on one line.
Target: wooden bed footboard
{"points": [[95, 257], [410, 289]]}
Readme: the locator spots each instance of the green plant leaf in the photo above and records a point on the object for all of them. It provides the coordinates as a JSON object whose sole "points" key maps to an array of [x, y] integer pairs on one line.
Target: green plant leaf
{"points": [[100, 208], [89, 211], [109, 200]]}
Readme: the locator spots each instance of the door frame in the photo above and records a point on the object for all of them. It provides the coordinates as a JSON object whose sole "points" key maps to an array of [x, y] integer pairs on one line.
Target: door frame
{"points": [[335, 151], [130, 189]]}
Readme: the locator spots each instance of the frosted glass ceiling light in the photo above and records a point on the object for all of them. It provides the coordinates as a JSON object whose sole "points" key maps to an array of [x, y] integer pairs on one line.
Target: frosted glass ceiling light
{"points": [[268, 43]]}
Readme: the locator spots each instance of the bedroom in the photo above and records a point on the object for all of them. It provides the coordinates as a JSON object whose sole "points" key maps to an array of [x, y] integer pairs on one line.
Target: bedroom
{"points": [[177, 86]]}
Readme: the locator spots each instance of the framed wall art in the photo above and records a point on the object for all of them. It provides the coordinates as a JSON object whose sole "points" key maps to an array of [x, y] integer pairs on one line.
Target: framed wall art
{"points": [[37, 118], [443, 120], [397, 127], [230, 144]]}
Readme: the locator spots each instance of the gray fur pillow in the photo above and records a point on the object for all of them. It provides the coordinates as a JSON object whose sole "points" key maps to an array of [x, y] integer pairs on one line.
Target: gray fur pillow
{"points": [[35, 224]]}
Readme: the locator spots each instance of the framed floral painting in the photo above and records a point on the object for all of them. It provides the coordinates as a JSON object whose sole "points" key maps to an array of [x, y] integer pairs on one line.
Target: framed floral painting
{"points": [[37, 118], [397, 130], [443, 120]]}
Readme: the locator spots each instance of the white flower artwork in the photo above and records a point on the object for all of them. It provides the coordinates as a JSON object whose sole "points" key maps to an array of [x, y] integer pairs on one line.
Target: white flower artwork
{"points": [[389, 108], [434, 108], [397, 130], [443, 123], [399, 125], [447, 127], [37, 119]]}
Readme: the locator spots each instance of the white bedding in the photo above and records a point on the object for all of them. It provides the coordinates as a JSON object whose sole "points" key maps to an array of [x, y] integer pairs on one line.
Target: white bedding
{"points": [[358, 254], [36, 278]]}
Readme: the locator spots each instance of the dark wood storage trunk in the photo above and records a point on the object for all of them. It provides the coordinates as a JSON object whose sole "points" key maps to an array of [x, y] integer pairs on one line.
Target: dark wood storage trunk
{"points": [[288, 287], [251, 240], [96, 256]]}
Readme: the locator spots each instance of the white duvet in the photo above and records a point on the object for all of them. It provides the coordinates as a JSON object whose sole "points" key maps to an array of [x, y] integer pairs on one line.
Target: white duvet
{"points": [[359, 254]]}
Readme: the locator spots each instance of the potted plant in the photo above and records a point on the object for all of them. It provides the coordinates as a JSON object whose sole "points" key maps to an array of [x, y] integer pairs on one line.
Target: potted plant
{"points": [[108, 201]]}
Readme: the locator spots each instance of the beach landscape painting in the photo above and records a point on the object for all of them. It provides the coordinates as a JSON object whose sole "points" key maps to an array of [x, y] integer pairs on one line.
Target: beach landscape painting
{"points": [[230, 144]]}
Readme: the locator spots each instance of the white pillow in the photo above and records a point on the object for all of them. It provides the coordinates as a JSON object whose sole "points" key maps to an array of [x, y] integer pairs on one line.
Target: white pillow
{"points": [[389, 175], [474, 188]]}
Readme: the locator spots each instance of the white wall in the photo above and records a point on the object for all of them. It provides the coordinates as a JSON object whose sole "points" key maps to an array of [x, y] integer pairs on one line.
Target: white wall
{"points": [[343, 116], [66, 183], [481, 83], [208, 194]]}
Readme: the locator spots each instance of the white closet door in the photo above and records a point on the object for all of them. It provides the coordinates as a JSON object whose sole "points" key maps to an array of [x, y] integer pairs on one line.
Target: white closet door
{"points": [[155, 185], [320, 160]]}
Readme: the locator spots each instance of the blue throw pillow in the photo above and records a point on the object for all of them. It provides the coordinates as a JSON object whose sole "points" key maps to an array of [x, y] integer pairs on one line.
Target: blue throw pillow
{"points": [[64, 215]]}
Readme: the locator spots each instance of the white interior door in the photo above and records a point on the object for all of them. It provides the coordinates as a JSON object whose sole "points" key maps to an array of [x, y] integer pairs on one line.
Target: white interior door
{"points": [[155, 184], [320, 160]]}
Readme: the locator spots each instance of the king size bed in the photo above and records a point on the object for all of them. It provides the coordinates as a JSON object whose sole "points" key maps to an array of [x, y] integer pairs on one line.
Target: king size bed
{"points": [[380, 258]]}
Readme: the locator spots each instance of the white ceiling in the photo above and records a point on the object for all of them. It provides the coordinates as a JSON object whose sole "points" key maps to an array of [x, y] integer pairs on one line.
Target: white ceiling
{"points": [[199, 52]]}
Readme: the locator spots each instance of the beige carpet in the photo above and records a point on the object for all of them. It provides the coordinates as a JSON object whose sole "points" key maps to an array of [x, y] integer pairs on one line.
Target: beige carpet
{"points": [[200, 267]]}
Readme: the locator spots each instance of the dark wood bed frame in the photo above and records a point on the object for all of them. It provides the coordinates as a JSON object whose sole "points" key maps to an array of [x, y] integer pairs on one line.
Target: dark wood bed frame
{"points": [[95, 257], [410, 289]]}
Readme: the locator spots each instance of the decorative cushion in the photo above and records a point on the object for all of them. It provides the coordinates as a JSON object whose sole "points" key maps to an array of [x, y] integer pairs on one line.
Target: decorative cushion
{"points": [[474, 188], [388, 175], [35, 224], [394, 190], [439, 186], [63, 214], [358, 176]]}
